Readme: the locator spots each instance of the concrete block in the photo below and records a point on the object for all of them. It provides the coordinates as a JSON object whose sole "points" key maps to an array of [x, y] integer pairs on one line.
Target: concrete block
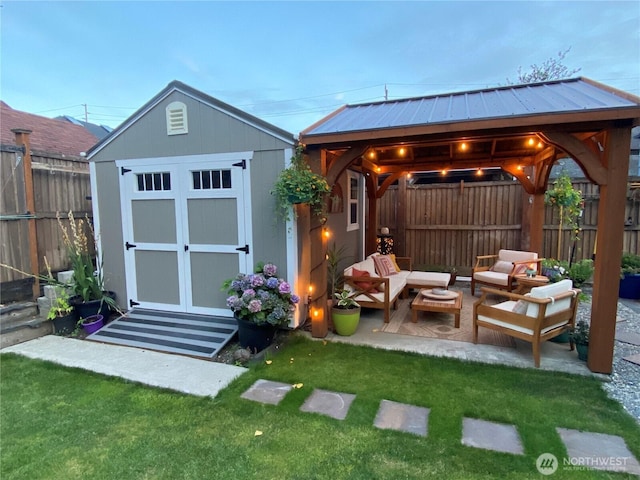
{"points": [[52, 291], [44, 305], [65, 277]]}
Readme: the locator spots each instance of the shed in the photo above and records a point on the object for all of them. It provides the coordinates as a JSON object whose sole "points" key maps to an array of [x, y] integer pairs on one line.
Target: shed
{"points": [[181, 200]]}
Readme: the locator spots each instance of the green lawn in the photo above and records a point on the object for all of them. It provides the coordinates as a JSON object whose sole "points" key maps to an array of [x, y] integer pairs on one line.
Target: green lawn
{"points": [[61, 423]]}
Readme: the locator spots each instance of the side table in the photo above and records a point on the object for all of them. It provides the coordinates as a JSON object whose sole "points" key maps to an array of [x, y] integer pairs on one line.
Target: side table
{"points": [[525, 283]]}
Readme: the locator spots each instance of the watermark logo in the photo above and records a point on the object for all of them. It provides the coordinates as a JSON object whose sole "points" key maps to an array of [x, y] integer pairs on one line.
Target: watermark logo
{"points": [[547, 464]]}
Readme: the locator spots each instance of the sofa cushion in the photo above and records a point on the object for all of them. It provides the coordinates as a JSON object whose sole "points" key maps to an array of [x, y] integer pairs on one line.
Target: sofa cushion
{"points": [[384, 266], [396, 286], [366, 286], [502, 266], [428, 279], [548, 291]]}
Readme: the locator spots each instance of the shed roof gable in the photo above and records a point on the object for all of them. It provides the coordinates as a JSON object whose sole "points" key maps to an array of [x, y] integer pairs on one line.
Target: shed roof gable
{"points": [[212, 102]]}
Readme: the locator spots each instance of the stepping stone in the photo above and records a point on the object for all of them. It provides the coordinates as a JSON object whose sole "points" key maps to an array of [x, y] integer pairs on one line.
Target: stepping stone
{"points": [[491, 436], [633, 358], [266, 391], [598, 451], [402, 417], [332, 404], [628, 337]]}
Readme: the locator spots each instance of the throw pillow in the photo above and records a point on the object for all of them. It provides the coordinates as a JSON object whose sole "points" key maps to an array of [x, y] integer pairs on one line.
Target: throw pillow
{"points": [[392, 256], [366, 286], [520, 307], [384, 266], [520, 269], [502, 267]]}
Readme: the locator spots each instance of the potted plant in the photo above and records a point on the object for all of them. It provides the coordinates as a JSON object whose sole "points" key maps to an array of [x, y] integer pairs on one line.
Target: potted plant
{"points": [[299, 184], [345, 313], [580, 336], [62, 314], [261, 303], [92, 323], [88, 283], [554, 270], [630, 276], [580, 272]]}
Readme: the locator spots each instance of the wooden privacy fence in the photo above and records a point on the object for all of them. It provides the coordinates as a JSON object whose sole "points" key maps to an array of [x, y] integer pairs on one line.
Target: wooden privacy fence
{"points": [[450, 224], [59, 185]]}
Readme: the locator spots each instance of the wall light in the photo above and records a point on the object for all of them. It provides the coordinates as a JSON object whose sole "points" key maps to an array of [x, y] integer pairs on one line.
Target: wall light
{"points": [[479, 172]]}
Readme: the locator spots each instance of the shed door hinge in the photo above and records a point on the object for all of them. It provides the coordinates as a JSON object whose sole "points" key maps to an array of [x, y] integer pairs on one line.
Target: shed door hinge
{"points": [[132, 303], [130, 245], [242, 163], [124, 170], [244, 249]]}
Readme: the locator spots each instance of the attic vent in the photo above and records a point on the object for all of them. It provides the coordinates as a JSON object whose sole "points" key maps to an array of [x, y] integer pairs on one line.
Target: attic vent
{"points": [[177, 119]]}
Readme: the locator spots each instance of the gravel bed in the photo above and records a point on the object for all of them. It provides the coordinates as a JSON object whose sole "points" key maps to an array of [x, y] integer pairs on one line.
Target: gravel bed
{"points": [[624, 384]]}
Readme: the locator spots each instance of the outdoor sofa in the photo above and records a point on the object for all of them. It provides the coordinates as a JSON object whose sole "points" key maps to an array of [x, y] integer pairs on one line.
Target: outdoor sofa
{"points": [[379, 280]]}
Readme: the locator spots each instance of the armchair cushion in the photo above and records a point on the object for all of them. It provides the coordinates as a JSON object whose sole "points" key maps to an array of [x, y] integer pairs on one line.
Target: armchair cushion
{"points": [[548, 291]]}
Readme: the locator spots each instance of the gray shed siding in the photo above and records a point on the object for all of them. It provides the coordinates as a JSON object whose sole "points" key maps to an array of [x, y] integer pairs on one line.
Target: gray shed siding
{"points": [[209, 131]]}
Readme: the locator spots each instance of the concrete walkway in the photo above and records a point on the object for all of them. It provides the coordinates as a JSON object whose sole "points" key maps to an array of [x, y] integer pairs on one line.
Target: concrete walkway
{"points": [[175, 372]]}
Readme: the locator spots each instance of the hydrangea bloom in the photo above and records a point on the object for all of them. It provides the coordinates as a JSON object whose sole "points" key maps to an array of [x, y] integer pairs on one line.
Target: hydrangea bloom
{"points": [[261, 297]]}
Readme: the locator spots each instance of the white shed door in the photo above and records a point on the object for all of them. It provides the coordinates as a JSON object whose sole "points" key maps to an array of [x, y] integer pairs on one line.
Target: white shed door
{"points": [[186, 230]]}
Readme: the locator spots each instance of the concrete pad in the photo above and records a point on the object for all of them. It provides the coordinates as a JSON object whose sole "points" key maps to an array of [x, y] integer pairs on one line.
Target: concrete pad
{"points": [[266, 391], [627, 337], [491, 436], [332, 404], [598, 451], [175, 372], [402, 417], [633, 358]]}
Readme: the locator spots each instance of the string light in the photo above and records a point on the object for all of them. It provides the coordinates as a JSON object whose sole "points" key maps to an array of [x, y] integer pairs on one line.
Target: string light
{"points": [[479, 172], [463, 146]]}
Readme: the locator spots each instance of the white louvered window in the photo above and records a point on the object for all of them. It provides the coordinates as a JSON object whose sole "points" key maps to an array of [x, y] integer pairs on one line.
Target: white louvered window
{"points": [[177, 119]]}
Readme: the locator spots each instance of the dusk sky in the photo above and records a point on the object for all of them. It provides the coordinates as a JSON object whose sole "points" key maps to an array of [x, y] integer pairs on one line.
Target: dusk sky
{"points": [[292, 63]]}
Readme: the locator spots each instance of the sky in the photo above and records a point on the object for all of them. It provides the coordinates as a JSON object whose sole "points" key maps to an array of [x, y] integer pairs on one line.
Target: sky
{"points": [[292, 63]]}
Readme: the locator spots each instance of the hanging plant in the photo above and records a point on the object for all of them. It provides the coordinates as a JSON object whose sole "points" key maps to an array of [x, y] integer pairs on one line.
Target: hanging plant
{"points": [[569, 202], [299, 184]]}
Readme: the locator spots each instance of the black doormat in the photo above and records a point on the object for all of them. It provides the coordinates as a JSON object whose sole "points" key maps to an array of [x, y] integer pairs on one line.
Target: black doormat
{"points": [[181, 333]]}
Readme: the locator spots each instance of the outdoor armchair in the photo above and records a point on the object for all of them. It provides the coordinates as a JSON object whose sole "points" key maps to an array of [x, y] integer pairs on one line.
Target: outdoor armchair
{"points": [[499, 270], [544, 313]]}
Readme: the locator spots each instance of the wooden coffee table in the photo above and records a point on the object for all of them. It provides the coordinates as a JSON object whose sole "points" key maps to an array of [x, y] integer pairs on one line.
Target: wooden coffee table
{"points": [[424, 304]]}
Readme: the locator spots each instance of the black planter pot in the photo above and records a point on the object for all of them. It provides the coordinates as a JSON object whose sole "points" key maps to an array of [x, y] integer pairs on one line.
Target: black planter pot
{"points": [[65, 325], [583, 351], [255, 337], [92, 307], [630, 286]]}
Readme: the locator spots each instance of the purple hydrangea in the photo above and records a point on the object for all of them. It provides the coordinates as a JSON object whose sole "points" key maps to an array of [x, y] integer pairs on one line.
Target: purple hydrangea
{"points": [[270, 269], [284, 287], [272, 282], [255, 306], [257, 280]]}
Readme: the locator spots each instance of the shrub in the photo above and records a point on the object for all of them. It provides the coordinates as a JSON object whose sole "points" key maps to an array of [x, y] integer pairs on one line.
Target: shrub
{"points": [[581, 271]]}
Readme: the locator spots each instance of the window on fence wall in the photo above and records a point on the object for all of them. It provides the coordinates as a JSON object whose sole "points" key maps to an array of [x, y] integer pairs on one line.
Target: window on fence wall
{"points": [[353, 195]]}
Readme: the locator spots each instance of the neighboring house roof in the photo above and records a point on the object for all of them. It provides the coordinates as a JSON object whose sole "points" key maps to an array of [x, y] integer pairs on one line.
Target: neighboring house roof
{"points": [[202, 97], [553, 100], [99, 131], [48, 135]]}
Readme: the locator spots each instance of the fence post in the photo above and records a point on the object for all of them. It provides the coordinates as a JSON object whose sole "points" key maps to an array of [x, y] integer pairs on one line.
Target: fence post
{"points": [[22, 140]]}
